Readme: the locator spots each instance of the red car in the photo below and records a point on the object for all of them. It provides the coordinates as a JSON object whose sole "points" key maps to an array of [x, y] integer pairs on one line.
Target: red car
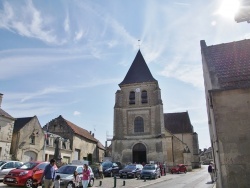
{"points": [[179, 168], [23, 175]]}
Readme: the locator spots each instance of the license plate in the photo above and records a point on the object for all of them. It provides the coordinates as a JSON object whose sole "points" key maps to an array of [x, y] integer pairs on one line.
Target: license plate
{"points": [[9, 179]]}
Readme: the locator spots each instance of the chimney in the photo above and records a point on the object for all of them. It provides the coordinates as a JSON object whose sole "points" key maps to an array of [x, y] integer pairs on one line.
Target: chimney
{"points": [[1, 98], [90, 132], [93, 134]]}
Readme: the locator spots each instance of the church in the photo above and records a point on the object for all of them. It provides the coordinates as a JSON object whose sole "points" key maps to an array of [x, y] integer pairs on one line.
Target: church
{"points": [[140, 133]]}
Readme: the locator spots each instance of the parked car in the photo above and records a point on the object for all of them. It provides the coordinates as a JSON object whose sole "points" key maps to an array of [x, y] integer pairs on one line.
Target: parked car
{"points": [[95, 169], [66, 174], [111, 168], [132, 170], [23, 175], [38, 173], [179, 168], [151, 171], [7, 166]]}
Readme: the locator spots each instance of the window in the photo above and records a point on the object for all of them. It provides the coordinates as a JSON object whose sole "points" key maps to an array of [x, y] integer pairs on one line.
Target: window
{"points": [[138, 125], [132, 97], [144, 97], [32, 139]]}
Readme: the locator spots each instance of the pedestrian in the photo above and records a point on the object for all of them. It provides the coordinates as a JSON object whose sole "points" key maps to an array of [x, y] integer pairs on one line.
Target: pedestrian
{"points": [[85, 176], [57, 181], [49, 174], [211, 171], [76, 179], [100, 171]]}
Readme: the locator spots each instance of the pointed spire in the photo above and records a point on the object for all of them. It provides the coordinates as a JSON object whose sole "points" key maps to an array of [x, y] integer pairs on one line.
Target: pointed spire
{"points": [[138, 72]]}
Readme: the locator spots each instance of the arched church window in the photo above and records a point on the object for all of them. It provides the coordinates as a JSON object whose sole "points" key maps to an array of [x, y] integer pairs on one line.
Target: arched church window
{"points": [[138, 125], [132, 97], [144, 97]]}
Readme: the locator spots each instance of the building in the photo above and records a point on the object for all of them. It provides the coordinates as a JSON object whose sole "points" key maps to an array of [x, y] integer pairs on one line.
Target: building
{"points": [[6, 129], [27, 140], [82, 143], [139, 133], [180, 125], [206, 156], [226, 71]]}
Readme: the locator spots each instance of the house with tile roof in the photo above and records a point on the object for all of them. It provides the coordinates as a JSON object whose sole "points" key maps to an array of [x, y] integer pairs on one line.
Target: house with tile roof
{"points": [[226, 71], [139, 132], [6, 129], [180, 125], [28, 140], [83, 144]]}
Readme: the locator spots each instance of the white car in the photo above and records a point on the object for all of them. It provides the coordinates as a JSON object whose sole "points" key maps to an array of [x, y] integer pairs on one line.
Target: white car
{"points": [[6, 166]]}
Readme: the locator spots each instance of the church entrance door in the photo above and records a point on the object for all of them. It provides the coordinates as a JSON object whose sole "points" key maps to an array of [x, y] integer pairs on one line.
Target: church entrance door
{"points": [[139, 153]]}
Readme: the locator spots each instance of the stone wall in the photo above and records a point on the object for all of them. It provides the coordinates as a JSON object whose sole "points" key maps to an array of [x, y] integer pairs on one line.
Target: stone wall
{"points": [[6, 126], [232, 116]]}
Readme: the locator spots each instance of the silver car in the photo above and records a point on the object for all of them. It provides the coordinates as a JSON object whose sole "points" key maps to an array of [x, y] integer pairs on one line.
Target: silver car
{"points": [[7, 166], [66, 173]]}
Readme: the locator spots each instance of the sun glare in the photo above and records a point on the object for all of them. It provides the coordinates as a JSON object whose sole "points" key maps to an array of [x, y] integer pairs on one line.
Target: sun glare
{"points": [[228, 8]]}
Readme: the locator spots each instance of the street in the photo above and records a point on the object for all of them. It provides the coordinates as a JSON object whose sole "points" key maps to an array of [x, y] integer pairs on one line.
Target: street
{"points": [[198, 178]]}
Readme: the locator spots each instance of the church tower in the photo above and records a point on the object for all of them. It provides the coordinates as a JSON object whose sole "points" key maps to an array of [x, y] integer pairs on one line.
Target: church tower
{"points": [[138, 117]]}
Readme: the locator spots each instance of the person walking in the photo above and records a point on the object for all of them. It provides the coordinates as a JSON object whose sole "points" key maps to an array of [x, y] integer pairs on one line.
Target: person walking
{"points": [[211, 171], [85, 176], [49, 174], [100, 171], [76, 179], [57, 181]]}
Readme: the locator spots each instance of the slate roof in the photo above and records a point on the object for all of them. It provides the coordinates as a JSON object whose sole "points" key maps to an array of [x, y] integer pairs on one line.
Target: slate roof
{"points": [[5, 114], [138, 72], [80, 131], [228, 63], [178, 122], [20, 123]]}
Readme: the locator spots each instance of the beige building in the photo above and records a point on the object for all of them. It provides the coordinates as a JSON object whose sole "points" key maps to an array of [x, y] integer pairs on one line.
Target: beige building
{"points": [[139, 133], [226, 70], [6, 129], [27, 140], [83, 144], [180, 125]]}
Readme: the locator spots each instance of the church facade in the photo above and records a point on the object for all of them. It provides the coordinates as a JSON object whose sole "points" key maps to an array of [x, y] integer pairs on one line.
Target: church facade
{"points": [[139, 134]]}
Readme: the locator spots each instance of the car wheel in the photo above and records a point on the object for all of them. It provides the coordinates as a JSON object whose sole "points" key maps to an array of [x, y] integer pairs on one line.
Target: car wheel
{"points": [[70, 185], [91, 182], [29, 183]]}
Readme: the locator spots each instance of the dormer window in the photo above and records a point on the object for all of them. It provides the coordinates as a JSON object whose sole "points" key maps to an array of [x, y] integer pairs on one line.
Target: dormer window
{"points": [[132, 97], [144, 97]]}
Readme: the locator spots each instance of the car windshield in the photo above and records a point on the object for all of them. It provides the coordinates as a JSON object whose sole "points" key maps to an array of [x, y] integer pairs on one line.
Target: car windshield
{"points": [[149, 167], [28, 166], [130, 167], [2, 162], [107, 164], [66, 169]]}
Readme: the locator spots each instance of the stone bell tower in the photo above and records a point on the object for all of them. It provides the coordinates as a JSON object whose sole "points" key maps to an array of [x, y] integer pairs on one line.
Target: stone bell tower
{"points": [[138, 116]]}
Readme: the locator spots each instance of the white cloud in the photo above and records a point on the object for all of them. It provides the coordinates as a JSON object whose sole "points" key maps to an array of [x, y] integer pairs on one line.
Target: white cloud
{"points": [[27, 21], [78, 35], [66, 24], [76, 113], [185, 72]]}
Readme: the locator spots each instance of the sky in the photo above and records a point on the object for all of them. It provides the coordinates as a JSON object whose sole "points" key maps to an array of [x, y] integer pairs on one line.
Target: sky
{"points": [[67, 57]]}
